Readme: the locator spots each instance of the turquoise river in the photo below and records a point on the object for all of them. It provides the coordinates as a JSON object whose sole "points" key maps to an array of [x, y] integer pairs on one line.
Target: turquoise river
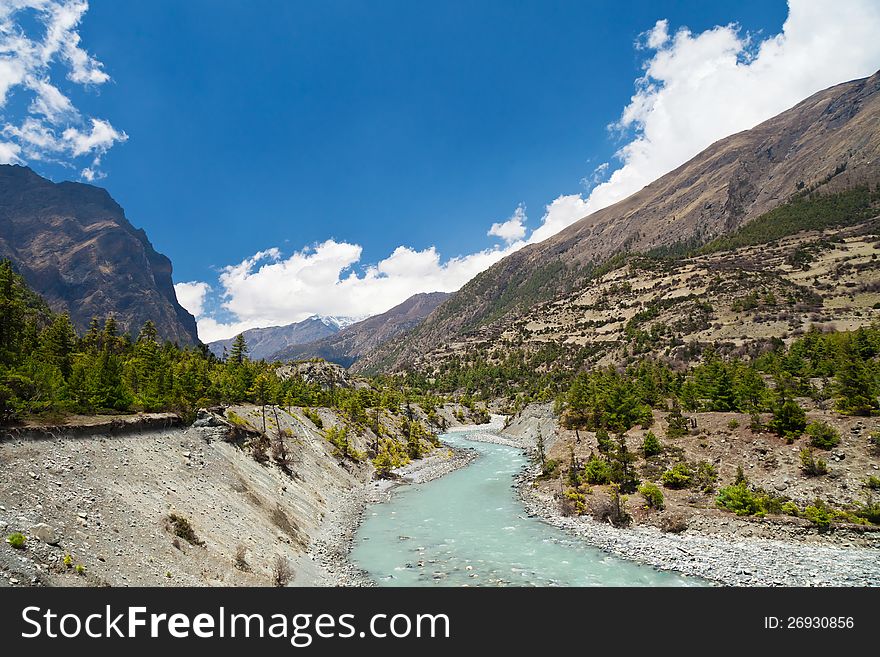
{"points": [[470, 528]]}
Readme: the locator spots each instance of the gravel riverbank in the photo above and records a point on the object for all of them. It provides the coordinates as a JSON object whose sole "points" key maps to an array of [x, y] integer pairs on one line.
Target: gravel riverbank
{"points": [[724, 560]]}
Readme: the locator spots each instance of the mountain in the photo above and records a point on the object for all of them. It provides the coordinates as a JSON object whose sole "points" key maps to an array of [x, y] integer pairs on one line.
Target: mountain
{"points": [[364, 337], [75, 247], [827, 143], [264, 342]]}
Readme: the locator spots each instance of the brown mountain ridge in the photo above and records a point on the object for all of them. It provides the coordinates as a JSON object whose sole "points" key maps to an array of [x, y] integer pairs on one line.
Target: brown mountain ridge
{"points": [[828, 142]]}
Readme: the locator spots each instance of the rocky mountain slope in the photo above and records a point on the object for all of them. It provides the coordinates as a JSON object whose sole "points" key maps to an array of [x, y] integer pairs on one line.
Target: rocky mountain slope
{"points": [[828, 142], [354, 342], [828, 279], [263, 343], [75, 247]]}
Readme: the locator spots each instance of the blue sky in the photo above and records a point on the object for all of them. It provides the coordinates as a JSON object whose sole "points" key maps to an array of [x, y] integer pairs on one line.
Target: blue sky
{"points": [[258, 127], [260, 124]]}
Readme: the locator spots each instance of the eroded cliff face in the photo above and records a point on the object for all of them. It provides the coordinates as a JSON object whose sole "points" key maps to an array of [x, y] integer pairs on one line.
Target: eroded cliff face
{"points": [[75, 247]]}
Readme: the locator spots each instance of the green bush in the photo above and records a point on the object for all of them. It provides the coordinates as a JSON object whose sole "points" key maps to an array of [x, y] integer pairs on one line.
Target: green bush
{"points": [[575, 502], [391, 455], [597, 471], [733, 424], [705, 477], [651, 445], [812, 466], [313, 417], [789, 420], [820, 515], [550, 469], [16, 540], [652, 494], [873, 482], [823, 435], [679, 476], [740, 499], [870, 511], [790, 509]]}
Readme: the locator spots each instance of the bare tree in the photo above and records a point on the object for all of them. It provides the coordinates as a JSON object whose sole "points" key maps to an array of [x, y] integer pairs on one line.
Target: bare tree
{"points": [[281, 573]]}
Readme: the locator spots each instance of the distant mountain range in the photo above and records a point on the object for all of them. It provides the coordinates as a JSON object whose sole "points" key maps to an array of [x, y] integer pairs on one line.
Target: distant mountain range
{"points": [[75, 247], [827, 143], [340, 340], [263, 343], [362, 338]]}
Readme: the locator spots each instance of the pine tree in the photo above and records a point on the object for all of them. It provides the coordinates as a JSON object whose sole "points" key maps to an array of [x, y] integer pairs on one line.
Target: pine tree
{"points": [[59, 342], [855, 389], [239, 352]]}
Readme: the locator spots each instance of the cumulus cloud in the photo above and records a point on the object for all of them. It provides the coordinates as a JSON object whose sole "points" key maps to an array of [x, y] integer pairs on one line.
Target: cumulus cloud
{"points": [[192, 296], [700, 87], [52, 128], [696, 88], [269, 289], [513, 229]]}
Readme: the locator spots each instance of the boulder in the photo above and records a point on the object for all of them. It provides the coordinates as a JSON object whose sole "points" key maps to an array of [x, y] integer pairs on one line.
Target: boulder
{"points": [[45, 533]]}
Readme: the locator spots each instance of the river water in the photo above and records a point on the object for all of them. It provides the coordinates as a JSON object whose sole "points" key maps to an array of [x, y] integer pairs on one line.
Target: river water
{"points": [[470, 528]]}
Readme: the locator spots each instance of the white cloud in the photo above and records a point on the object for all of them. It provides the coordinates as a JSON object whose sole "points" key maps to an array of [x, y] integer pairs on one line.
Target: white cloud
{"points": [[513, 229], [696, 89], [52, 129], [192, 296], [268, 289], [699, 88]]}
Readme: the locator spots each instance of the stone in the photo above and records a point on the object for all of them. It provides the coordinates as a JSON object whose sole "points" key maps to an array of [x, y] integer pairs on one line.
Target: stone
{"points": [[45, 533]]}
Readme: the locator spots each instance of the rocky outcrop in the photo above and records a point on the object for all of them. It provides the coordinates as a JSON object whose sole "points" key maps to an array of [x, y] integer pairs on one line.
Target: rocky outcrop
{"points": [[75, 247]]}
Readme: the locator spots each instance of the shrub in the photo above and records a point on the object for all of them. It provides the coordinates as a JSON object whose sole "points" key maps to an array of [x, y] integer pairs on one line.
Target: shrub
{"points": [[391, 455], [739, 499], [181, 527], [338, 437], [677, 425], [597, 471], [651, 445], [612, 509], [281, 573], [240, 558], [823, 435], [870, 511], [705, 477], [789, 420], [67, 561], [80, 569], [679, 476], [550, 469], [790, 509], [812, 466], [603, 441], [574, 502], [313, 417], [652, 494], [16, 540], [733, 424], [820, 515], [873, 482]]}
